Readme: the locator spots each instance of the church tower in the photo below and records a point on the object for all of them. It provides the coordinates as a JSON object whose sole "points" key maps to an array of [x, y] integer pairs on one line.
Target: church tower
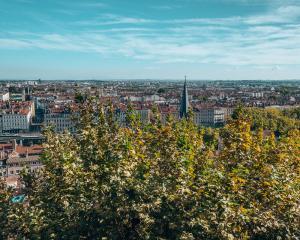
{"points": [[184, 104]]}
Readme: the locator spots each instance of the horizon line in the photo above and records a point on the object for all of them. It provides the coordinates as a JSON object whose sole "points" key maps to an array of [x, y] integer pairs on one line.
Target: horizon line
{"points": [[144, 79]]}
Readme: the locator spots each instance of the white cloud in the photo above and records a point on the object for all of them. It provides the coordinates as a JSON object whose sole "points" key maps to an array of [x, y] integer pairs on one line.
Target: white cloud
{"points": [[93, 5], [284, 14], [112, 19], [166, 7], [252, 40], [13, 43]]}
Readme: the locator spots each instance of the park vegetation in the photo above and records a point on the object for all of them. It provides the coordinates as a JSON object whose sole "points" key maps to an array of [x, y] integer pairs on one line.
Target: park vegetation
{"points": [[162, 181]]}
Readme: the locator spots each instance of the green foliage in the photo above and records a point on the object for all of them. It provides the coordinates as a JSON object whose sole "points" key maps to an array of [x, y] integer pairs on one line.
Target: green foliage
{"points": [[4, 207], [210, 137], [268, 119], [79, 97], [292, 113], [161, 90], [162, 182]]}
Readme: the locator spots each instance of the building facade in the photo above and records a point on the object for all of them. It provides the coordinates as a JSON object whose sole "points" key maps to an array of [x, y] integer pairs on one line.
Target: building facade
{"points": [[16, 116], [16, 164], [60, 121], [209, 116], [4, 96], [15, 122]]}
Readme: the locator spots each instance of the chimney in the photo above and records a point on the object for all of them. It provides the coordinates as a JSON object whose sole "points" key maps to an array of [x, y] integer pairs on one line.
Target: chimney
{"points": [[27, 153]]}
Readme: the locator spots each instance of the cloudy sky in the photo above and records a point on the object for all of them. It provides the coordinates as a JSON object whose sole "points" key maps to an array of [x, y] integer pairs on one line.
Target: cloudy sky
{"points": [[142, 39]]}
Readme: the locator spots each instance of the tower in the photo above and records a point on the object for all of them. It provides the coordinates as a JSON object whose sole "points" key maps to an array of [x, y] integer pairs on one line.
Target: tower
{"points": [[23, 94], [184, 104]]}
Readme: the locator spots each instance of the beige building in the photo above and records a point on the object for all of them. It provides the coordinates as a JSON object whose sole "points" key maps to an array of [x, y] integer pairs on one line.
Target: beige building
{"points": [[143, 114], [16, 164], [209, 116], [15, 158]]}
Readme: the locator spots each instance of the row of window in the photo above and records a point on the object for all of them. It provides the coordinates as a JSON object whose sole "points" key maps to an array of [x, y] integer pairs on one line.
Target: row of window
{"points": [[13, 116], [17, 171], [22, 164], [11, 172], [57, 120], [14, 120]]}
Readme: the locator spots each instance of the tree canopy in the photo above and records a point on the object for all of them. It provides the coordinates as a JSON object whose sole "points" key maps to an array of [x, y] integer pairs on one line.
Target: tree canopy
{"points": [[160, 181], [271, 119]]}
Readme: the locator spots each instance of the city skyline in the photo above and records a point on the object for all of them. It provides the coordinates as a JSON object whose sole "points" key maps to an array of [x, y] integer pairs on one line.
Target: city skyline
{"points": [[220, 40]]}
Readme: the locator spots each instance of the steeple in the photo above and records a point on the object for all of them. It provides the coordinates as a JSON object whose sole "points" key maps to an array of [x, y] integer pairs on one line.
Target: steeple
{"points": [[184, 105]]}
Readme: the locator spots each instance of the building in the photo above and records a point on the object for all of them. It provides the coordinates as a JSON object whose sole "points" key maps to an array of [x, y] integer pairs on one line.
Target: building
{"points": [[168, 111], [60, 121], [209, 116], [15, 122], [149, 98], [120, 116], [228, 112], [16, 164], [4, 96], [257, 94], [15, 158], [3, 171], [16, 117], [144, 114]]}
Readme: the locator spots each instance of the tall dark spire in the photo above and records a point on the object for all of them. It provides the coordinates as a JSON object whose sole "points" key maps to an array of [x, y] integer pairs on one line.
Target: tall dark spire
{"points": [[184, 105]]}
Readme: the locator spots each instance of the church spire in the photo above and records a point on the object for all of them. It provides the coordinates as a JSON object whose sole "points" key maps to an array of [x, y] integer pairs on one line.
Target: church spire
{"points": [[184, 105]]}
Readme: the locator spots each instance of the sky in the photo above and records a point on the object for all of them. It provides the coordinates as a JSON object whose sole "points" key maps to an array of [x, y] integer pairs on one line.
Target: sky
{"points": [[150, 39]]}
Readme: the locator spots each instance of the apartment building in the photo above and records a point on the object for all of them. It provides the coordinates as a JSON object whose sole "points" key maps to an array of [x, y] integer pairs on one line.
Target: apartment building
{"points": [[16, 117], [209, 116], [168, 111], [60, 119], [16, 122], [144, 114], [16, 164]]}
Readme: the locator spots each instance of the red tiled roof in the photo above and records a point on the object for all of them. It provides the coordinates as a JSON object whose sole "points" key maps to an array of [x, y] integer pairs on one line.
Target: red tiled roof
{"points": [[32, 150]]}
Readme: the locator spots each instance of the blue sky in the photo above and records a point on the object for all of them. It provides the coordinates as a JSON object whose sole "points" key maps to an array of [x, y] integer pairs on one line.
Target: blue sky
{"points": [[158, 39]]}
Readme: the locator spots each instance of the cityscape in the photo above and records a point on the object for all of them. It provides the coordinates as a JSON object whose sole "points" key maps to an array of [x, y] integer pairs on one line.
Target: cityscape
{"points": [[150, 120], [29, 107]]}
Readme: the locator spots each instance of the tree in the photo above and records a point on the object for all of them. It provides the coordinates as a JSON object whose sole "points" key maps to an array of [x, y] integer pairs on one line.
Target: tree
{"points": [[162, 182], [267, 119], [79, 97], [292, 113], [4, 208], [161, 90]]}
